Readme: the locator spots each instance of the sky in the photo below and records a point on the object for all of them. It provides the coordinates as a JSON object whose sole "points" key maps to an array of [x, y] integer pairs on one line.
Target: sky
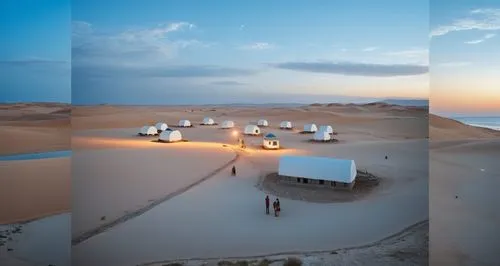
{"points": [[35, 51], [465, 57], [201, 52]]}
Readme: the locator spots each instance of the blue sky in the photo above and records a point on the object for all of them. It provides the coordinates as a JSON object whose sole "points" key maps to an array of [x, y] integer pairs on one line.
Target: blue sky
{"points": [[465, 59], [35, 50], [176, 52]]}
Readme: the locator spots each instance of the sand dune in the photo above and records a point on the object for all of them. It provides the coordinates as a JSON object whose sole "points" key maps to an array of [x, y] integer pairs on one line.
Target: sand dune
{"points": [[441, 128]]}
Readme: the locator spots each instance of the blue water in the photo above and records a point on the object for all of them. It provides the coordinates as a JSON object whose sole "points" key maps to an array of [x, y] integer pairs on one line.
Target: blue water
{"points": [[34, 156], [491, 122]]}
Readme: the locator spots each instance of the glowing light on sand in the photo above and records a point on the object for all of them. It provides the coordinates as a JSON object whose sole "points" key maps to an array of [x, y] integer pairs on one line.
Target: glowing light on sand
{"points": [[235, 133]]}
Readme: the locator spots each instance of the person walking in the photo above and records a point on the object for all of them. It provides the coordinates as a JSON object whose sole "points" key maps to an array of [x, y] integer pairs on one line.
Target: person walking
{"points": [[267, 204], [278, 207], [274, 207], [233, 170]]}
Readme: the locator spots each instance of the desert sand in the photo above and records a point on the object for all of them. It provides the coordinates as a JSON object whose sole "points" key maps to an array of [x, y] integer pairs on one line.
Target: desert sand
{"points": [[123, 173]]}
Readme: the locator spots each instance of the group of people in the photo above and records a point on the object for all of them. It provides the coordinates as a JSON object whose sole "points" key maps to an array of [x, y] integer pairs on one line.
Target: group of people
{"points": [[276, 206]]}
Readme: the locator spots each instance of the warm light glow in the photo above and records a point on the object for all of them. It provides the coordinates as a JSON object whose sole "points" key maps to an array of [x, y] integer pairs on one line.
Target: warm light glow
{"points": [[235, 133]]}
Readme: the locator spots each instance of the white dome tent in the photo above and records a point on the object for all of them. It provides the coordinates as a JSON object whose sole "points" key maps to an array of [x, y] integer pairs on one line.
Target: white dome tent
{"points": [[208, 121], [184, 123], [322, 136], [252, 130], [170, 136], [148, 131], [326, 128], [262, 123], [160, 126], [286, 125], [227, 124], [310, 128]]}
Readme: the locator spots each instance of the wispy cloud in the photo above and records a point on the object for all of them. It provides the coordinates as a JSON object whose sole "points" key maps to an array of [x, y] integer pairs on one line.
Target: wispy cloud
{"points": [[257, 46], [477, 19], [370, 49], [33, 61], [410, 53], [228, 83], [355, 69], [486, 37]]}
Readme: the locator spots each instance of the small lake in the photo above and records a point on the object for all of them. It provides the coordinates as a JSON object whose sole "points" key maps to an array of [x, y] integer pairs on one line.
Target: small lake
{"points": [[34, 156]]}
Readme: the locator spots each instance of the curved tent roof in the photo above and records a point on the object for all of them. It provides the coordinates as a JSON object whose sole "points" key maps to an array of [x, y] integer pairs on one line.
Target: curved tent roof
{"points": [[270, 136], [319, 168]]}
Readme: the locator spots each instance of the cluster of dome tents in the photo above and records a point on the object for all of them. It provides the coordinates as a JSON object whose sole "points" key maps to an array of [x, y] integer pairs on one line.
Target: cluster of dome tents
{"points": [[166, 134]]}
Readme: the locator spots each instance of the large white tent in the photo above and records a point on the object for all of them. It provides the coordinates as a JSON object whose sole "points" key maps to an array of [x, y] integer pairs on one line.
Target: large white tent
{"points": [[227, 124], [262, 123], [208, 121], [310, 128], [184, 123], [160, 126], [286, 125], [148, 131], [326, 128], [318, 168], [322, 136], [170, 136], [252, 130]]}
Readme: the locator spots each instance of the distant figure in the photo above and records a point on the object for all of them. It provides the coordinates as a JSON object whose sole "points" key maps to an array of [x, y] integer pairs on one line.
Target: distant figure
{"points": [[233, 170], [386, 157], [275, 208], [267, 204], [278, 207]]}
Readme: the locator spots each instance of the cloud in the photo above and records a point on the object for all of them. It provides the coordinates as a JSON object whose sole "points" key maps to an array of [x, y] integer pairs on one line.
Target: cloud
{"points": [[242, 26], [410, 53], [135, 46], [355, 69], [180, 71], [478, 19], [486, 37], [228, 83], [32, 62], [257, 46], [370, 49]]}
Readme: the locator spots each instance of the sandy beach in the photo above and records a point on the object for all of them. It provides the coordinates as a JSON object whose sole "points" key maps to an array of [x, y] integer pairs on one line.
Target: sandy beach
{"points": [[119, 174]]}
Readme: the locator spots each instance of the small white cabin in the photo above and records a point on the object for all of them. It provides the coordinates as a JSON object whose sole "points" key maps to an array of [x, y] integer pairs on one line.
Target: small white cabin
{"points": [[326, 128], [148, 131], [184, 123], [262, 123], [286, 125], [310, 128], [322, 136], [160, 126], [170, 136], [227, 124], [208, 121], [252, 130], [271, 142]]}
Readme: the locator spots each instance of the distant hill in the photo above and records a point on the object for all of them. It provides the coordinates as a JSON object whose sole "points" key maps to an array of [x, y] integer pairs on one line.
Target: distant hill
{"points": [[407, 102]]}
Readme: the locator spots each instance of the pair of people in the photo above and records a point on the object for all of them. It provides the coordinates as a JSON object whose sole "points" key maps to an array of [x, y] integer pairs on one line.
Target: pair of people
{"points": [[276, 206]]}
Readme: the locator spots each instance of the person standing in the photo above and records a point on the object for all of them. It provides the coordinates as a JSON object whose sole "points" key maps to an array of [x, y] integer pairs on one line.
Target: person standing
{"points": [[233, 171], [267, 204], [278, 207], [274, 207]]}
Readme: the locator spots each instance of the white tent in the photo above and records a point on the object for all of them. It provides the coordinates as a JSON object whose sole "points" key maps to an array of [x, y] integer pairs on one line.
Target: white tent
{"points": [[310, 128], [227, 124], [262, 123], [208, 121], [286, 125], [322, 136], [271, 142], [252, 130], [326, 128], [160, 126], [170, 136], [148, 131], [184, 123], [318, 168]]}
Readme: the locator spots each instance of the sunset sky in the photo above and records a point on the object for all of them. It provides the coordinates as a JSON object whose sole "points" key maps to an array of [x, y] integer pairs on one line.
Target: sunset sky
{"points": [[247, 51], [465, 57]]}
